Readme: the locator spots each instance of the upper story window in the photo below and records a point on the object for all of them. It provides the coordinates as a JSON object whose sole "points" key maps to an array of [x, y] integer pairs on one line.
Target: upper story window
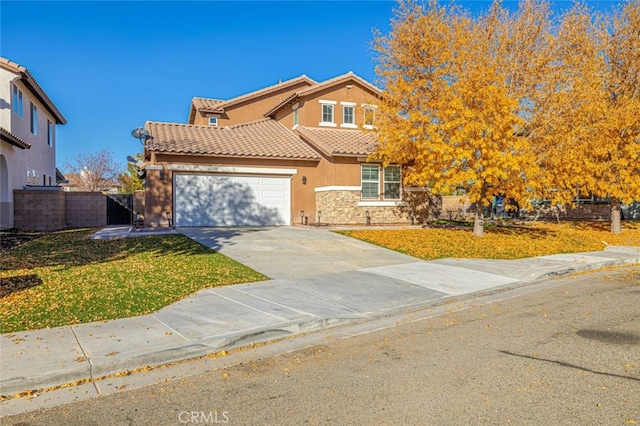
{"points": [[16, 103], [296, 116], [369, 116], [213, 121], [327, 113], [348, 114], [34, 119], [50, 133], [371, 185]]}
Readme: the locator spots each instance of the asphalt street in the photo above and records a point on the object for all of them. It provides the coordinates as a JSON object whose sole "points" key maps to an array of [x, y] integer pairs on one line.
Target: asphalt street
{"points": [[564, 352]]}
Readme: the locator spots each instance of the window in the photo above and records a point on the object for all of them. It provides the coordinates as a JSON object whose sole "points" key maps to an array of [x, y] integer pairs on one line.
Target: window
{"points": [[296, 116], [213, 121], [370, 182], [348, 114], [369, 116], [392, 183], [50, 130], [17, 101], [327, 113], [34, 119]]}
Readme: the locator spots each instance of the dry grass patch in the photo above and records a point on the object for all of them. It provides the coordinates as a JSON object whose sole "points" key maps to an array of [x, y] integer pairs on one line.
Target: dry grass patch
{"points": [[502, 242]]}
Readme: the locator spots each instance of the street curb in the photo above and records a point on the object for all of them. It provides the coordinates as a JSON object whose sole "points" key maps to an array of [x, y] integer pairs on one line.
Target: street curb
{"points": [[96, 368]]}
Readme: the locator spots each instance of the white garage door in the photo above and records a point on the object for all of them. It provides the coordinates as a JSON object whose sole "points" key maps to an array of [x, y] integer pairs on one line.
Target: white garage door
{"points": [[215, 200]]}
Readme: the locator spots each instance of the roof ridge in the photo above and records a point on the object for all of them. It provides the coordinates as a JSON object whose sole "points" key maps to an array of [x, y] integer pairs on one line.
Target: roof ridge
{"points": [[302, 77], [249, 123], [172, 123]]}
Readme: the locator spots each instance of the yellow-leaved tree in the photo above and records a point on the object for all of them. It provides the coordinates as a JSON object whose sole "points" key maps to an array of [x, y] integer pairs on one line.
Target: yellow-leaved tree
{"points": [[457, 99], [589, 109], [513, 103]]}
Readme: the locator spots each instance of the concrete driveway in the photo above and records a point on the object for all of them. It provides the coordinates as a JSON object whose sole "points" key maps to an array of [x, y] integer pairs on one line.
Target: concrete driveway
{"points": [[294, 253]]}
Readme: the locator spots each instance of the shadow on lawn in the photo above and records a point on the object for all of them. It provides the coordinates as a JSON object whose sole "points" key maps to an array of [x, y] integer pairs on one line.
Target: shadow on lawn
{"points": [[19, 282], [535, 233], [75, 248]]}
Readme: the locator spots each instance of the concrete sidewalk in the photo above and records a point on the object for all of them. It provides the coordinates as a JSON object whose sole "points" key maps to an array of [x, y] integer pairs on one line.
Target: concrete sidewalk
{"points": [[319, 280]]}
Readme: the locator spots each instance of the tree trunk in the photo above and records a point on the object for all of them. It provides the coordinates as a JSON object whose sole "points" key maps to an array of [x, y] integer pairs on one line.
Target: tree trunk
{"points": [[478, 221], [616, 215]]}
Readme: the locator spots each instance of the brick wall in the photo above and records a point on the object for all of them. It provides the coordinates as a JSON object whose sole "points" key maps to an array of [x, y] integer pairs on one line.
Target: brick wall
{"points": [[570, 212], [85, 209], [51, 209], [39, 209]]}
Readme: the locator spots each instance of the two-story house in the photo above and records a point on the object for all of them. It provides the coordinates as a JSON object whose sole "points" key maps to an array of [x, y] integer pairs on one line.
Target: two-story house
{"points": [[28, 120], [295, 152]]}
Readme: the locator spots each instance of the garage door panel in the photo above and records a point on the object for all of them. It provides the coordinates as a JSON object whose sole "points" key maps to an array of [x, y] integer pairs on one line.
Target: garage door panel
{"points": [[214, 200]]}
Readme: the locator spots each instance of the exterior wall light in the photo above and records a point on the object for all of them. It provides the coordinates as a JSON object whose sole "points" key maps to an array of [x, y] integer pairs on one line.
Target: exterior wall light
{"points": [[304, 180], [368, 218], [168, 214]]}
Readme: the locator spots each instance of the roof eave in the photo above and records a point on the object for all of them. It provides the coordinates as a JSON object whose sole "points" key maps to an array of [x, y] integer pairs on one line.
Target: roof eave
{"points": [[250, 157], [35, 88], [10, 138]]}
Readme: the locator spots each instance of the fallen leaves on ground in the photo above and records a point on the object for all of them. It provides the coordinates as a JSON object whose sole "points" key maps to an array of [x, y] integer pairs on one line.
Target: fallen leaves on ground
{"points": [[67, 278], [501, 242]]}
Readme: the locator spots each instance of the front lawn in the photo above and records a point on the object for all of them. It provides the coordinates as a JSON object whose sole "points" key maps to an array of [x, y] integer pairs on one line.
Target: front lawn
{"points": [[67, 278], [501, 242]]}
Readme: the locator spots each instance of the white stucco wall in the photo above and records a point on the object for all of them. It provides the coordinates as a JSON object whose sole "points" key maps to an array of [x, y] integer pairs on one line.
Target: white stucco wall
{"points": [[41, 158]]}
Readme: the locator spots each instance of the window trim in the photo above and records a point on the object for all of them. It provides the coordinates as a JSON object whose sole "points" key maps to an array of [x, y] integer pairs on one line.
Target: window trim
{"points": [[33, 114], [363, 181], [372, 108], [380, 184], [214, 118], [345, 107], [296, 116], [17, 100], [50, 133], [332, 105], [385, 181]]}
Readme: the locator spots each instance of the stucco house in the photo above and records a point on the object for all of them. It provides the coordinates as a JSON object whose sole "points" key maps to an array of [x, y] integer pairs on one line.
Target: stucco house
{"points": [[295, 152], [28, 120]]}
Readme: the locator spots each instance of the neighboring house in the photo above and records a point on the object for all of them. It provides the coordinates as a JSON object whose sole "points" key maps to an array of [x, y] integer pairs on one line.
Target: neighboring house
{"points": [[295, 152], [28, 120], [74, 183]]}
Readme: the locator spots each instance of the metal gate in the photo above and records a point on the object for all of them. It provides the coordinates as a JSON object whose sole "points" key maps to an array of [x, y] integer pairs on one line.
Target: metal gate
{"points": [[119, 209]]}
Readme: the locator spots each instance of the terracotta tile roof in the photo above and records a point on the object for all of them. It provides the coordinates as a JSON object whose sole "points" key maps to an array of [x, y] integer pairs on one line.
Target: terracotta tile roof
{"points": [[218, 106], [341, 79], [206, 103], [339, 142], [12, 139], [258, 139], [28, 80]]}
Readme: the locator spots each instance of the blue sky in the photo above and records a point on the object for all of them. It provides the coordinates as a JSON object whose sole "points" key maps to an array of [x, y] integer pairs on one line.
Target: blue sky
{"points": [[111, 66]]}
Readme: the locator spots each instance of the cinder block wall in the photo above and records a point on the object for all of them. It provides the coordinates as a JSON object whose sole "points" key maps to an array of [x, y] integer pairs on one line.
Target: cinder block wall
{"points": [[85, 209], [39, 209]]}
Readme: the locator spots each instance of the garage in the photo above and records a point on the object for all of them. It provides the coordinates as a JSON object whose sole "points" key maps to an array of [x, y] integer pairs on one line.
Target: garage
{"points": [[232, 200]]}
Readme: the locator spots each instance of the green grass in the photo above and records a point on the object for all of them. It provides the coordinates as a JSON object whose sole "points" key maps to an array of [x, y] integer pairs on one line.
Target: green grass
{"points": [[67, 278]]}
